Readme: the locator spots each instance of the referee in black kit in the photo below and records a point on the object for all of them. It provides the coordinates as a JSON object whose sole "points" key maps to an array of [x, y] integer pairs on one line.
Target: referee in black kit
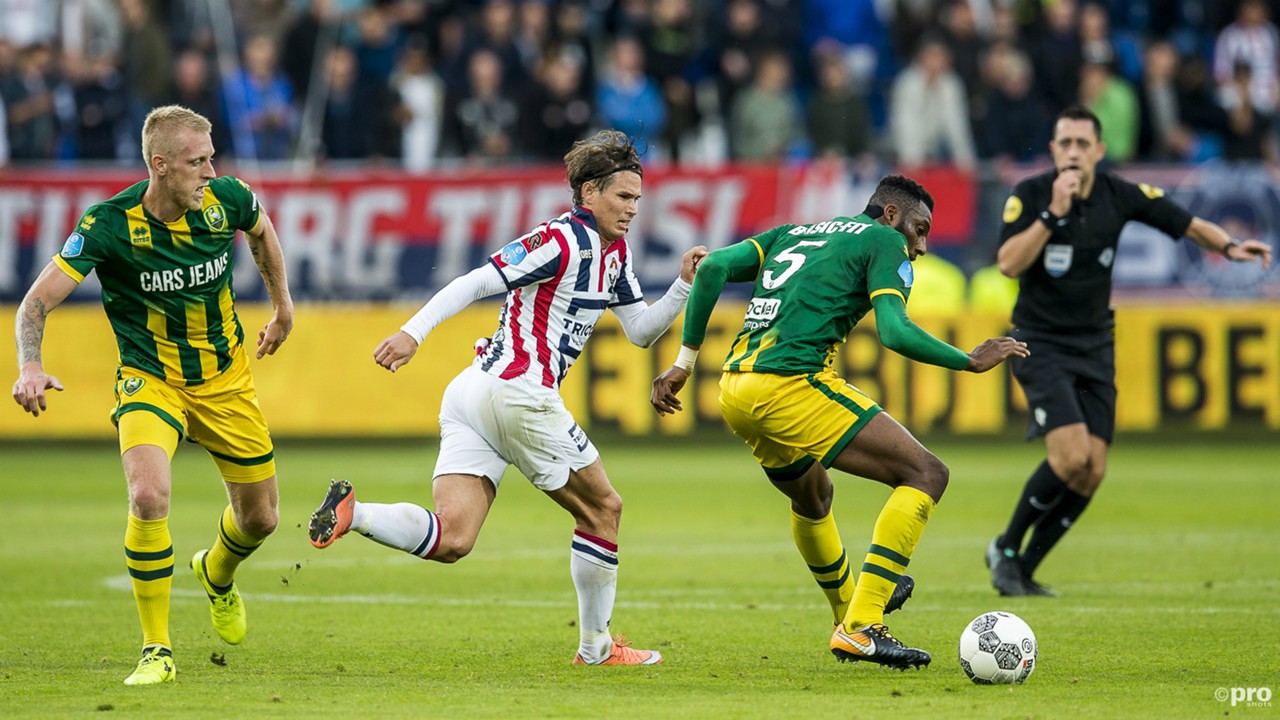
{"points": [[1059, 239]]}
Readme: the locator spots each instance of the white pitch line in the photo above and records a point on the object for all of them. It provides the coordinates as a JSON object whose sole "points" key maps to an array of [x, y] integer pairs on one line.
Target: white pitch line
{"points": [[123, 583], [391, 557], [774, 548]]}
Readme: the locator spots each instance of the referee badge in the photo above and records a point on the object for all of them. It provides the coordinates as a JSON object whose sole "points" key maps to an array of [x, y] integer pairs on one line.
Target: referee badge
{"points": [[1057, 259], [1151, 191], [1012, 209]]}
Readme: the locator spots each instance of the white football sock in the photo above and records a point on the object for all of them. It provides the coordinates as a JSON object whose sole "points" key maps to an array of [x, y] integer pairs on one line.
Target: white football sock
{"points": [[404, 526], [594, 565]]}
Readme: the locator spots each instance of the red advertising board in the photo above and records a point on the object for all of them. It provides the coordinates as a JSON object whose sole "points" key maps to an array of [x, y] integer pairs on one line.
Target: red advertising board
{"points": [[381, 234]]}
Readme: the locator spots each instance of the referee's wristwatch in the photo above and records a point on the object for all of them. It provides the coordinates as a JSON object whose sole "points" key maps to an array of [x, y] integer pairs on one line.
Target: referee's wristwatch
{"points": [[1226, 249], [1050, 220]]}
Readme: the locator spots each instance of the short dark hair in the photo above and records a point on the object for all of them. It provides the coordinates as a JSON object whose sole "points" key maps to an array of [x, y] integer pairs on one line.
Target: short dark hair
{"points": [[1080, 112], [901, 191], [596, 159]]}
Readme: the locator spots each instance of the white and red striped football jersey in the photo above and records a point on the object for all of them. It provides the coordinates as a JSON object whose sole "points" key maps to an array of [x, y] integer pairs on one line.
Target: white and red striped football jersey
{"points": [[560, 279]]}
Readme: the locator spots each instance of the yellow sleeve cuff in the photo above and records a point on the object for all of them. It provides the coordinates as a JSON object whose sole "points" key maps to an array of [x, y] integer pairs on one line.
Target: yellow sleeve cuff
{"points": [[66, 268], [887, 291]]}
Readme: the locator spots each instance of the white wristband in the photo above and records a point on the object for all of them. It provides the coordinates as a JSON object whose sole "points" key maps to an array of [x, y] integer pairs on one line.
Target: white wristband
{"points": [[687, 358]]}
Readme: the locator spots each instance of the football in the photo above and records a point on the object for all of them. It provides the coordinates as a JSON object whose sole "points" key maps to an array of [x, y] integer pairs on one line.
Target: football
{"points": [[998, 648]]}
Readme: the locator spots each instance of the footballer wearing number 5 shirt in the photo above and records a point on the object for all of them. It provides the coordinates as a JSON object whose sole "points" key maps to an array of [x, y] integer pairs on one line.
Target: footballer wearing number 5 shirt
{"points": [[780, 393]]}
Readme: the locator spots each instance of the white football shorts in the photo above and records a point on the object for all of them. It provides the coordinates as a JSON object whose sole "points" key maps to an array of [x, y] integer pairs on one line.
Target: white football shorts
{"points": [[487, 423]]}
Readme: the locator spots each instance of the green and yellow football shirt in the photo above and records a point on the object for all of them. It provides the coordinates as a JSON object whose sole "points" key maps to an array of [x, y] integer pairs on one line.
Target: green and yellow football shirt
{"points": [[815, 283], [166, 287]]}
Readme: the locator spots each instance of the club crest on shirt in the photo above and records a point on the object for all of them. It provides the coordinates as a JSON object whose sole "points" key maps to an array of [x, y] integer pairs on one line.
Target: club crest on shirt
{"points": [[513, 253], [73, 246], [216, 218], [614, 270], [906, 273], [1057, 259], [133, 385]]}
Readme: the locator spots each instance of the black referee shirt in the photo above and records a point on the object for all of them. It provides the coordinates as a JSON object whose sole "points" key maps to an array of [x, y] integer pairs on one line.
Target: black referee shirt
{"points": [[1067, 290]]}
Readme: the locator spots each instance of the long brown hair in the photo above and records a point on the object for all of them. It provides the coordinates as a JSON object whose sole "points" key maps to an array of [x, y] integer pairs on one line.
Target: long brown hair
{"points": [[596, 160]]}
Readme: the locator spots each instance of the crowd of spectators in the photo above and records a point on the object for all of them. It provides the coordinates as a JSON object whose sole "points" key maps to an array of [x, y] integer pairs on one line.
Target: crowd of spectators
{"points": [[419, 83]]}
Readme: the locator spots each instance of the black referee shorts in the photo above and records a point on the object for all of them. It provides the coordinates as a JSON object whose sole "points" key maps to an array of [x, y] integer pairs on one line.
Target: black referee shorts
{"points": [[1068, 380]]}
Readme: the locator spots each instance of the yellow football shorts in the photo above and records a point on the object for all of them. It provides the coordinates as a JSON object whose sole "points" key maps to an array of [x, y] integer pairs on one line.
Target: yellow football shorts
{"points": [[791, 420], [221, 414]]}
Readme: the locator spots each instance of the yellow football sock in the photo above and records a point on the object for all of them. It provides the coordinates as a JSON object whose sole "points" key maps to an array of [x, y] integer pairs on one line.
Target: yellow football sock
{"points": [[148, 553], [820, 546], [230, 548], [897, 531]]}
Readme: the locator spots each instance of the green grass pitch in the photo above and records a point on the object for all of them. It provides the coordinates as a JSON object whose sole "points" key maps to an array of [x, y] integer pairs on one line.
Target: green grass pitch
{"points": [[1170, 590]]}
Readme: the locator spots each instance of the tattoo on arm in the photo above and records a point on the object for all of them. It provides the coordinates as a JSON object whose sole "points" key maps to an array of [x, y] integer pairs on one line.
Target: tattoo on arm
{"points": [[31, 331], [268, 266], [263, 262]]}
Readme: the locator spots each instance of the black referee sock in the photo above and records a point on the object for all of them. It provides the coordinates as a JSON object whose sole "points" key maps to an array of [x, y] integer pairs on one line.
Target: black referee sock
{"points": [[1040, 495], [1051, 528]]}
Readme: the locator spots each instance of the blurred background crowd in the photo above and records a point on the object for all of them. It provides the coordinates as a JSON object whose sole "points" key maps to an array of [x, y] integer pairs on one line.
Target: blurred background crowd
{"points": [[424, 83]]}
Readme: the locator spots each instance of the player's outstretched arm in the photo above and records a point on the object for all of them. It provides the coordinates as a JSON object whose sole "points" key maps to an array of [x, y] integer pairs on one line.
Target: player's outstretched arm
{"points": [[267, 255], [46, 293], [995, 351], [1213, 237], [690, 261], [667, 386], [397, 350], [644, 324], [898, 333], [736, 263]]}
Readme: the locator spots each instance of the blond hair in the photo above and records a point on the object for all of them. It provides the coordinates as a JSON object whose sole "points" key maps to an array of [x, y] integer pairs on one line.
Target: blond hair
{"points": [[158, 136]]}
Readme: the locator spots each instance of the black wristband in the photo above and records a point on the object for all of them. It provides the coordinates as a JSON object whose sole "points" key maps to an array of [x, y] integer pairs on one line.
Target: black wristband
{"points": [[1226, 249], [1051, 220]]}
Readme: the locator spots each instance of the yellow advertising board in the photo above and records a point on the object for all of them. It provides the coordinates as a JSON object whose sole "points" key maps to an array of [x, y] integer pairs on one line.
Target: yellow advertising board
{"points": [[1197, 366]]}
